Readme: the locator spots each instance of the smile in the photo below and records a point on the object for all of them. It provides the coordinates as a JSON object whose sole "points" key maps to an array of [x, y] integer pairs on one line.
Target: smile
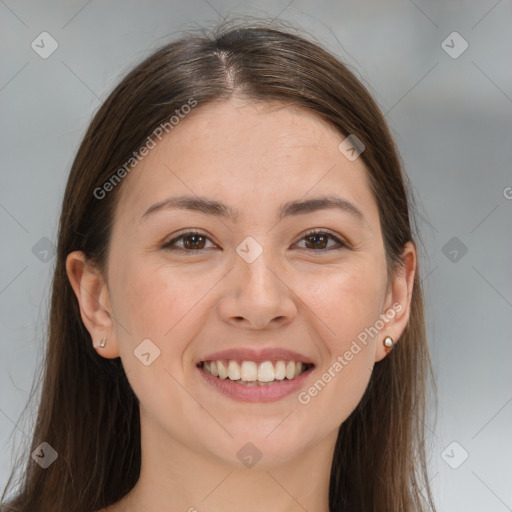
{"points": [[254, 373], [251, 381]]}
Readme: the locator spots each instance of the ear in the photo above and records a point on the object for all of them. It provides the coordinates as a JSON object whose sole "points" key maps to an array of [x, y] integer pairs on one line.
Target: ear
{"points": [[398, 301], [92, 294]]}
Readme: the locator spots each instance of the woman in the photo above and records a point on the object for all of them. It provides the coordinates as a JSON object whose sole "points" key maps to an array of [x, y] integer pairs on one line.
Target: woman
{"points": [[236, 317]]}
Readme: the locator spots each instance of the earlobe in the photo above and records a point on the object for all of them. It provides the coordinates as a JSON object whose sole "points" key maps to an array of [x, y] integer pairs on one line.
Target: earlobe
{"points": [[92, 295], [398, 303]]}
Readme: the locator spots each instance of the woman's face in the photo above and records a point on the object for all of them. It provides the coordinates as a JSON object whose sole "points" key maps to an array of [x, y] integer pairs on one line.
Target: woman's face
{"points": [[251, 178]]}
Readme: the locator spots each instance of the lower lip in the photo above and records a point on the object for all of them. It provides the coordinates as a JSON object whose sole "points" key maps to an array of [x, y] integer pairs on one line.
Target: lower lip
{"points": [[266, 393]]}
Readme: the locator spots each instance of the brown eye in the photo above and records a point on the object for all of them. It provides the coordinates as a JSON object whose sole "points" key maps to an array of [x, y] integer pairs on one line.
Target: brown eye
{"points": [[318, 240], [191, 241]]}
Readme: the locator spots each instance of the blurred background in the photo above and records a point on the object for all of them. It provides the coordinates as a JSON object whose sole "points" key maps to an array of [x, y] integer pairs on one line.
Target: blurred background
{"points": [[442, 74]]}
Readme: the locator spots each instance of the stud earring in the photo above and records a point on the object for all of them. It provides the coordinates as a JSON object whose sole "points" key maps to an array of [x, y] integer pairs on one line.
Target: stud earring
{"points": [[102, 342], [388, 343]]}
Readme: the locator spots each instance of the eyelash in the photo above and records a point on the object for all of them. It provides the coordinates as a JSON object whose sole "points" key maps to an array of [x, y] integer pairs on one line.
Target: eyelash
{"points": [[342, 245]]}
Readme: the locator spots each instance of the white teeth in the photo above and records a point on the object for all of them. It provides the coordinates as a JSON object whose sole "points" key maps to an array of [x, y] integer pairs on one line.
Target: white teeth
{"points": [[233, 370], [266, 372], [280, 370], [253, 372], [223, 371], [290, 370], [213, 368], [249, 371]]}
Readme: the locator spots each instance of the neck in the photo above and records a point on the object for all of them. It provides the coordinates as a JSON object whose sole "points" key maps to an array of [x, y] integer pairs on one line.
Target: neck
{"points": [[176, 477]]}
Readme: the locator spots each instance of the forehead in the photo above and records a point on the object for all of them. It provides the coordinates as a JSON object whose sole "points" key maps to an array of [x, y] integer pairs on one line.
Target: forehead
{"points": [[245, 153]]}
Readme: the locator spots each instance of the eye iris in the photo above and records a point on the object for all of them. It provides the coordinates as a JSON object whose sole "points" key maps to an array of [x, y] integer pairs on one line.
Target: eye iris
{"points": [[196, 241], [316, 237], [193, 237]]}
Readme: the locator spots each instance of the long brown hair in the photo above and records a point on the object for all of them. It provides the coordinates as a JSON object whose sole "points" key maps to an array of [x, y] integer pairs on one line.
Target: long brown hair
{"points": [[88, 412]]}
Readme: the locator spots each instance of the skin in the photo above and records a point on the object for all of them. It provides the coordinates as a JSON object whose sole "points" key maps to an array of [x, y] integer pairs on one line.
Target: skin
{"points": [[253, 157]]}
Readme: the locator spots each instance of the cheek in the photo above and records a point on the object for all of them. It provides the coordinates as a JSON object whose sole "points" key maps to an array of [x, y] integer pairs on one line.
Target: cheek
{"points": [[335, 394], [345, 302], [347, 305], [344, 306], [161, 303], [152, 303], [150, 298]]}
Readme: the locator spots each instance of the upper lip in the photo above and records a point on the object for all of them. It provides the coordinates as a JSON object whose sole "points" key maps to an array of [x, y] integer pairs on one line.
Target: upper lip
{"points": [[256, 355]]}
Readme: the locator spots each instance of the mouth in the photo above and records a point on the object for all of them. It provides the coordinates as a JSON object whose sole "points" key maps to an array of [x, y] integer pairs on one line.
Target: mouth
{"points": [[255, 373]]}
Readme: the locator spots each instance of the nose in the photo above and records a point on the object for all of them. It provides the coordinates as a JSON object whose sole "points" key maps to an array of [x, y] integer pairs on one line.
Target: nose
{"points": [[257, 295]]}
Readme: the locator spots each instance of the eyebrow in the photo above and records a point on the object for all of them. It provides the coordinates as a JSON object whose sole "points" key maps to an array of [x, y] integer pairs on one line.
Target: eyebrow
{"points": [[218, 209]]}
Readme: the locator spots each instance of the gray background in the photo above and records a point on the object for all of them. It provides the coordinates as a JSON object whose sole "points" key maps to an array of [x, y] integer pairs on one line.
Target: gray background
{"points": [[451, 118]]}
